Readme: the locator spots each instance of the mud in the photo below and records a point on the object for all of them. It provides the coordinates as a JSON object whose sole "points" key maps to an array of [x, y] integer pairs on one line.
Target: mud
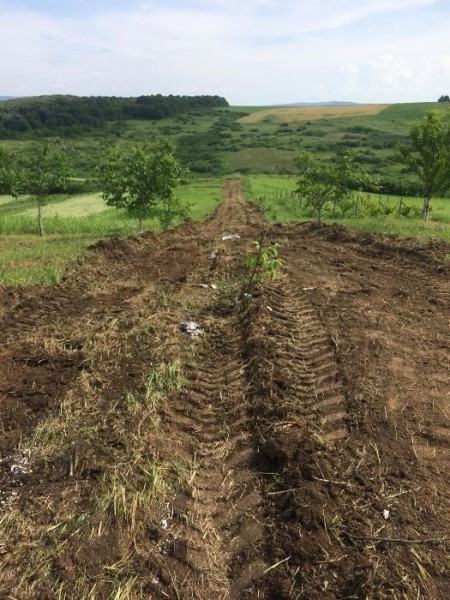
{"points": [[305, 454]]}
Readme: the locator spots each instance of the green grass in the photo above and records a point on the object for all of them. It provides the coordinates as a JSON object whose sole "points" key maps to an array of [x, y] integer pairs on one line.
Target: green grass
{"points": [[24, 204], [72, 225], [275, 196], [203, 195], [412, 111], [401, 227], [261, 185], [28, 259], [78, 206], [260, 160], [5, 200]]}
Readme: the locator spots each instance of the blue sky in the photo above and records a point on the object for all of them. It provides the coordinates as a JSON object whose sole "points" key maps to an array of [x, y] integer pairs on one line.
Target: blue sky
{"points": [[253, 52]]}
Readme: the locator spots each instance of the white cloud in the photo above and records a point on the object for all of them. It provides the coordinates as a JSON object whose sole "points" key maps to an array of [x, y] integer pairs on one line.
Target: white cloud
{"points": [[259, 51]]}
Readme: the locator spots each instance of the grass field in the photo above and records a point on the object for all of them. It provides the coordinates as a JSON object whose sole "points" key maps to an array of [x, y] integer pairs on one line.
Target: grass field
{"points": [[292, 114], [27, 259], [78, 206], [275, 195]]}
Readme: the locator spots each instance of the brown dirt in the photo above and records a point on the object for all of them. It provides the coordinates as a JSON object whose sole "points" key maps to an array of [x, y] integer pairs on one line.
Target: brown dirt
{"points": [[305, 413]]}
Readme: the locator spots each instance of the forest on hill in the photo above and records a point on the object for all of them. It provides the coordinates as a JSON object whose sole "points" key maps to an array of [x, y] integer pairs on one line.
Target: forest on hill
{"points": [[73, 115]]}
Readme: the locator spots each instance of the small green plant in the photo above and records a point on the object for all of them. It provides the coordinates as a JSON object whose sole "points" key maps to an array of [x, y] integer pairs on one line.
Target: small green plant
{"points": [[161, 380], [265, 263]]}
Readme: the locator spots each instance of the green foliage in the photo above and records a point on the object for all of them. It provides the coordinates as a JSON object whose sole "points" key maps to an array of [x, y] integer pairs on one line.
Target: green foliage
{"points": [[44, 173], [142, 182], [264, 263], [74, 115], [8, 174], [202, 151], [212, 139], [363, 211], [321, 183], [428, 156]]}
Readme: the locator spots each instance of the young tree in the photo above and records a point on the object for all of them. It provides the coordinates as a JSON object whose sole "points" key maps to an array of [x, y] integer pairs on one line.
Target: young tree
{"points": [[44, 173], [319, 183], [8, 174], [428, 156], [143, 183]]}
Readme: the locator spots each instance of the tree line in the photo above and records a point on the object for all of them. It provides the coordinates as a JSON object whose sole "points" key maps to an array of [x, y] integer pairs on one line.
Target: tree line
{"points": [[69, 115]]}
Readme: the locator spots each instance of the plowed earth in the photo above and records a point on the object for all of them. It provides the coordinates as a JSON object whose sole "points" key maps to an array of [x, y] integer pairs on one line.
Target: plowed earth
{"points": [[298, 447]]}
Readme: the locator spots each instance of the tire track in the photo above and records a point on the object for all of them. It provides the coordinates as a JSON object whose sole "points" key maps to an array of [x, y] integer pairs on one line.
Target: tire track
{"points": [[224, 511], [218, 514], [305, 359]]}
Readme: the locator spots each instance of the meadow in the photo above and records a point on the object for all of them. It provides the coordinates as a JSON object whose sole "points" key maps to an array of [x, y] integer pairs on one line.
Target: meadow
{"points": [[257, 144], [388, 214], [313, 113]]}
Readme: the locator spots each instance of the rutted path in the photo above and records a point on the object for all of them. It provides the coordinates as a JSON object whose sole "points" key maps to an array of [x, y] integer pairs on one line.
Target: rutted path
{"points": [[305, 359], [223, 502], [308, 432], [219, 516]]}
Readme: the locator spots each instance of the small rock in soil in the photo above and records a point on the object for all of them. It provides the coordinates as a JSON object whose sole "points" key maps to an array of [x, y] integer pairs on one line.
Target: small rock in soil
{"points": [[190, 328]]}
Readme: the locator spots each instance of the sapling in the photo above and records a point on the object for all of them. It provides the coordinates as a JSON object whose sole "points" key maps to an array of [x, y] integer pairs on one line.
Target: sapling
{"points": [[265, 263]]}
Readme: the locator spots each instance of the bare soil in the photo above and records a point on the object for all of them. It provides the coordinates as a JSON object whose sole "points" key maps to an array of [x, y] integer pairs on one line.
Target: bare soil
{"points": [[303, 451]]}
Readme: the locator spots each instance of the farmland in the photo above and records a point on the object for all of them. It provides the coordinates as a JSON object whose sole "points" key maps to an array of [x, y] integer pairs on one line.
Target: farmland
{"points": [[227, 140], [293, 448], [177, 424], [313, 113]]}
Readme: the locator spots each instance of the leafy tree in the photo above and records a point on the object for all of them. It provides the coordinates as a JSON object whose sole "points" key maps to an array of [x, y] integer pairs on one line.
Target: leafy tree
{"points": [[8, 174], [44, 173], [319, 183], [444, 99], [143, 182], [428, 156]]}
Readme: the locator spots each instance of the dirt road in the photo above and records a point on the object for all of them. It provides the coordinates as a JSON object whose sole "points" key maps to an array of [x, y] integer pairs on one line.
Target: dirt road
{"points": [[297, 447]]}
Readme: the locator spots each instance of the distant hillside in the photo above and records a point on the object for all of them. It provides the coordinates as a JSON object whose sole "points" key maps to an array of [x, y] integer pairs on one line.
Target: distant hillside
{"points": [[6, 98], [69, 115], [330, 103], [312, 112]]}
